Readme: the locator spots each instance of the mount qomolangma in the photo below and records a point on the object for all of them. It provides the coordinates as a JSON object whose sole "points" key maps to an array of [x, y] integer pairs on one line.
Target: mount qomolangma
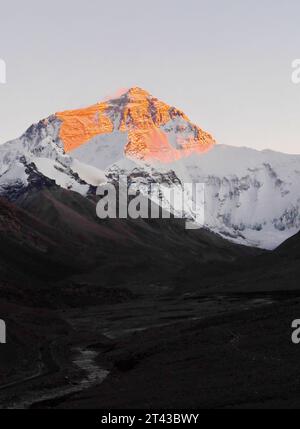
{"points": [[251, 197]]}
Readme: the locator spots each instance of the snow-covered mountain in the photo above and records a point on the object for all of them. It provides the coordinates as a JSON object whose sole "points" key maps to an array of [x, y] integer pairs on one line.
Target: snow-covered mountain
{"points": [[251, 197]]}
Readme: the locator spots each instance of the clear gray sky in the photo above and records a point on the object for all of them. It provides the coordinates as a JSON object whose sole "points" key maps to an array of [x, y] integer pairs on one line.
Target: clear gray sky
{"points": [[226, 63]]}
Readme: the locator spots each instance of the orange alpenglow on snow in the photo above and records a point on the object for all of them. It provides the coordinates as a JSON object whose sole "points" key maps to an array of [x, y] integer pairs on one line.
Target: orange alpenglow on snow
{"points": [[151, 145], [79, 126], [156, 131]]}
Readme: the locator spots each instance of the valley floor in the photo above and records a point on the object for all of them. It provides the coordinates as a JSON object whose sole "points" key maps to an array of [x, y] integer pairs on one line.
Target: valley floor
{"points": [[161, 351]]}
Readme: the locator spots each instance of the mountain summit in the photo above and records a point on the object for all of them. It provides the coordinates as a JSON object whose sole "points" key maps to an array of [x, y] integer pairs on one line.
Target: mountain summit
{"points": [[154, 130]]}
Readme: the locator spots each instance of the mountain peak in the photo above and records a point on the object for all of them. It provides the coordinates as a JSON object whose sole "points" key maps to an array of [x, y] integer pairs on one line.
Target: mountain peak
{"points": [[156, 130], [137, 92], [133, 93]]}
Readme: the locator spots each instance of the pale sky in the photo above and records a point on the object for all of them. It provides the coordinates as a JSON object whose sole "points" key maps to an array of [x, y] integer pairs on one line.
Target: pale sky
{"points": [[225, 63]]}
